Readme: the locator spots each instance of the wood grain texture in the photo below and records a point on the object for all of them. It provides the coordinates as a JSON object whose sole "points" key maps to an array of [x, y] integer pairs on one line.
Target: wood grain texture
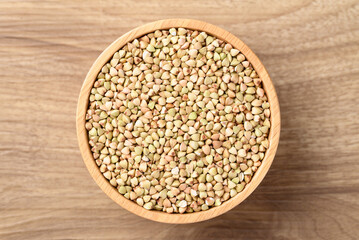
{"points": [[82, 133], [310, 49]]}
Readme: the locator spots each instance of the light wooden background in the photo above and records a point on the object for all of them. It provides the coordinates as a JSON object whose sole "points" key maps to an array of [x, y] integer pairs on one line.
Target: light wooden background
{"points": [[311, 50]]}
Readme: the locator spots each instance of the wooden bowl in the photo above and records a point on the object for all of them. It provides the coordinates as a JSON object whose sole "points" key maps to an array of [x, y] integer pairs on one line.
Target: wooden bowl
{"points": [[83, 138]]}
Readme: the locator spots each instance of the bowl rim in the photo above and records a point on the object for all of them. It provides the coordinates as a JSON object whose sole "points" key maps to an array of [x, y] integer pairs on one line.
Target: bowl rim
{"points": [[83, 105]]}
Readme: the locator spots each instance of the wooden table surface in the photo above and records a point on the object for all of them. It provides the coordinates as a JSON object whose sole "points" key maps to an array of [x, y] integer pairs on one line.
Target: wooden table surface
{"points": [[311, 50]]}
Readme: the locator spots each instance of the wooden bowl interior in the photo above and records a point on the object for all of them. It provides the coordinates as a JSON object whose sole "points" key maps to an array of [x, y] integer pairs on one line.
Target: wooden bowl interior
{"points": [[83, 105]]}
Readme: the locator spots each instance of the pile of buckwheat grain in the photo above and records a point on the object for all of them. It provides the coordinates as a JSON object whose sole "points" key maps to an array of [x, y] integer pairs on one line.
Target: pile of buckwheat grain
{"points": [[178, 121]]}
